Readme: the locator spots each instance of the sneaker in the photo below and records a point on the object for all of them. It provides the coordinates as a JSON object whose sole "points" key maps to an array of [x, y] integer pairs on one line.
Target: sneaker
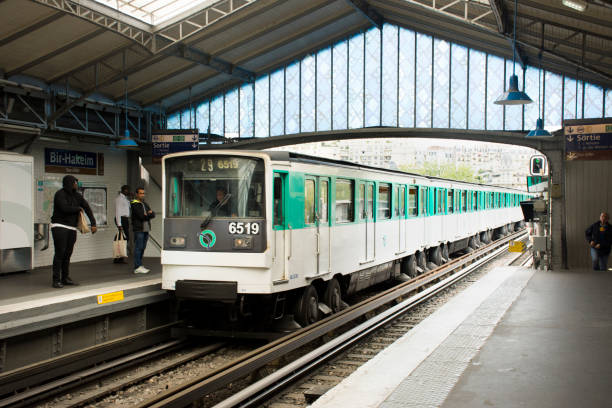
{"points": [[141, 269], [146, 270]]}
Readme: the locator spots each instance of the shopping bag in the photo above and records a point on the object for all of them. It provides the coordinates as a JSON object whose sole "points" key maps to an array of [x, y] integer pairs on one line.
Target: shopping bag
{"points": [[82, 223], [119, 246]]}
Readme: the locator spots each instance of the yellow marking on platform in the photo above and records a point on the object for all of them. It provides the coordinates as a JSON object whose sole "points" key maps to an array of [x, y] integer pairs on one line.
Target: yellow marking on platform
{"points": [[110, 297], [516, 246]]}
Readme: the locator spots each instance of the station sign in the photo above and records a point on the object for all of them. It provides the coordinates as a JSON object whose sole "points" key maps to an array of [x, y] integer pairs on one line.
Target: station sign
{"points": [[173, 141], [588, 142], [73, 162]]}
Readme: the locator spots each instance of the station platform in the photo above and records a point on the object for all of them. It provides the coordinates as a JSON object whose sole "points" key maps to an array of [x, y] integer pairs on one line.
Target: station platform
{"points": [[29, 303], [516, 338]]}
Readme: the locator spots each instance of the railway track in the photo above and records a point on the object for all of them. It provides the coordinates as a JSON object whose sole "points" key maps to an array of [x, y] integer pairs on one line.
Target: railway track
{"points": [[336, 332], [298, 353]]}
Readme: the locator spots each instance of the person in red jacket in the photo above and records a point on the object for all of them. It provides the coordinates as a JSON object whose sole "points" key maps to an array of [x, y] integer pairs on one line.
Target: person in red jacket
{"points": [[67, 205]]}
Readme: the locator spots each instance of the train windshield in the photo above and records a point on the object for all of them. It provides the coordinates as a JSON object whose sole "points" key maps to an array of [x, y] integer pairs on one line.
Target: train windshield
{"points": [[220, 186]]}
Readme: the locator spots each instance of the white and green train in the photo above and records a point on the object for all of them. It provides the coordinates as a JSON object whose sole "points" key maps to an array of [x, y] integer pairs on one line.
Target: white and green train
{"points": [[253, 236]]}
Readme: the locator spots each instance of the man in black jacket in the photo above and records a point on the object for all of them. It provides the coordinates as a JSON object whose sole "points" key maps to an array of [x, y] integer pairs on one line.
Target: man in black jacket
{"points": [[141, 225], [599, 237], [67, 205]]}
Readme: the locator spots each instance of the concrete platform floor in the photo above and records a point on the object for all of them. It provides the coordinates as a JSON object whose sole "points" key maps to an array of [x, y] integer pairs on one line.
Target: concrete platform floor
{"points": [[553, 348]]}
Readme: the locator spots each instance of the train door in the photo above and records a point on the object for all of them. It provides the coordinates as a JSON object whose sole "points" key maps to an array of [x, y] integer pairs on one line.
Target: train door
{"points": [[369, 222], [323, 237], [279, 226], [400, 213]]}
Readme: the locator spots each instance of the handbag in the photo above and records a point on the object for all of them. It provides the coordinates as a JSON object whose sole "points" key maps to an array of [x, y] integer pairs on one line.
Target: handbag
{"points": [[82, 223], [119, 246]]}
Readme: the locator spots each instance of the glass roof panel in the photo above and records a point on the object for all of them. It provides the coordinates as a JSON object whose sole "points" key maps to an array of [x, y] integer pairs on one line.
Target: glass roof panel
{"points": [[155, 12]]}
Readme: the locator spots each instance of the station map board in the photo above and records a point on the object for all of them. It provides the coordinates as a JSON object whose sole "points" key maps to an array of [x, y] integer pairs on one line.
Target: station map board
{"points": [[588, 141]]}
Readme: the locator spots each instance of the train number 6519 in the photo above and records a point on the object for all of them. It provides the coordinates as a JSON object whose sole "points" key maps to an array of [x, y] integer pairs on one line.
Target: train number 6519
{"points": [[249, 228]]}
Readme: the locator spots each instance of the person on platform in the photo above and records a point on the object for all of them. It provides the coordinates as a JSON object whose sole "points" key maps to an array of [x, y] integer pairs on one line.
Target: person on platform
{"points": [[67, 206], [599, 237], [122, 216], [141, 225]]}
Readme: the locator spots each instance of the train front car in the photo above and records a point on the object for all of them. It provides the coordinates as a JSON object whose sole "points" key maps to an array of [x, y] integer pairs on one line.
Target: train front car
{"points": [[216, 235]]}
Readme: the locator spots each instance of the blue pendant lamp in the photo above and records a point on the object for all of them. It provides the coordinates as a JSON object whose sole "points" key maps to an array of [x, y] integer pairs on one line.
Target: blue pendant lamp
{"points": [[539, 131], [126, 142], [513, 96]]}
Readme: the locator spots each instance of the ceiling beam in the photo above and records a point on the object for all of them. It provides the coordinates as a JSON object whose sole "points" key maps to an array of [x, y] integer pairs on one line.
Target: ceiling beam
{"points": [[56, 52], [32, 27], [500, 15], [368, 12], [199, 57]]}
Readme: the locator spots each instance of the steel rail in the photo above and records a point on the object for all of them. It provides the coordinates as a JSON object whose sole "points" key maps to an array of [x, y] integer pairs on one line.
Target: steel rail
{"points": [[191, 391]]}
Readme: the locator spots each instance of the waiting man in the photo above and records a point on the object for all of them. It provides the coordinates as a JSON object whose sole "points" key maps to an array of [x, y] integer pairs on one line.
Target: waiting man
{"points": [[122, 216], [141, 225], [599, 237]]}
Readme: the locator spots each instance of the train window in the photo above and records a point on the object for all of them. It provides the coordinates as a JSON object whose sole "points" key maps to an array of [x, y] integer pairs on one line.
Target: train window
{"points": [[440, 201], [396, 202], [309, 202], [402, 201], [384, 201], [464, 201], [475, 201], [345, 200], [413, 209], [324, 201], [362, 201], [278, 199], [450, 201], [423, 201], [370, 202]]}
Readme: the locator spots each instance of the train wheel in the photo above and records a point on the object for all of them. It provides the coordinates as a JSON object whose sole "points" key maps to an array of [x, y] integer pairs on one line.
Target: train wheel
{"points": [[473, 242], [307, 308], [421, 260], [333, 295], [435, 256], [409, 266], [445, 256]]}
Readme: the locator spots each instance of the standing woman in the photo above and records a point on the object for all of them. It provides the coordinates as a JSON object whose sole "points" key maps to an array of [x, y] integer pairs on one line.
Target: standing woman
{"points": [[67, 205]]}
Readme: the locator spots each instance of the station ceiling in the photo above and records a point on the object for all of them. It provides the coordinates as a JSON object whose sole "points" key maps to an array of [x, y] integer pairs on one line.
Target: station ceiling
{"points": [[97, 51]]}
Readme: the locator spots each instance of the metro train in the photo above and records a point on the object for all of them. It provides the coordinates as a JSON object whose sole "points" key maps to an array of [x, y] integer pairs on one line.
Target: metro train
{"points": [[251, 237]]}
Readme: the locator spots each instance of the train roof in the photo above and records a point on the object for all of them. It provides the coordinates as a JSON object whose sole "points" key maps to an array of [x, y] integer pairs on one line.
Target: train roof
{"points": [[304, 158]]}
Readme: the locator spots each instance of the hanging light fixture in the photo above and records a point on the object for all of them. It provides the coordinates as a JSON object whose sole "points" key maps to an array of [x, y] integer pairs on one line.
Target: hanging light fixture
{"points": [[513, 96], [539, 131], [126, 141]]}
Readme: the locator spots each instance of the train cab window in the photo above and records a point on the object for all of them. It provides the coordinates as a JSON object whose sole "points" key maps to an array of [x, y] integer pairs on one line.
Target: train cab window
{"points": [[324, 201], [345, 200], [464, 201], [384, 201], [309, 202], [450, 201], [278, 199], [413, 196], [402, 201]]}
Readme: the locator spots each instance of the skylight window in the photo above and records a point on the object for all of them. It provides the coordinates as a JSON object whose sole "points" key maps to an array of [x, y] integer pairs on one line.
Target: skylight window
{"points": [[155, 12]]}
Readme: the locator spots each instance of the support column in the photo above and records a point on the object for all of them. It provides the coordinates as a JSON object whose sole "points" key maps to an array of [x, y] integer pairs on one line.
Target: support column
{"points": [[556, 193]]}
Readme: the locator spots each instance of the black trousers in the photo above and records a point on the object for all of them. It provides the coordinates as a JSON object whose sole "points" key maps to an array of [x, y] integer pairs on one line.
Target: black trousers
{"points": [[63, 241], [125, 224]]}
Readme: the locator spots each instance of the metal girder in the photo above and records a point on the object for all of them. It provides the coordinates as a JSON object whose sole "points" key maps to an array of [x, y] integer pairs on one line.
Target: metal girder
{"points": [[194, 55], [500, 15], [33, 27], [102, 16], [157, 80], [173, 33], [368, 12], [56, 52]]}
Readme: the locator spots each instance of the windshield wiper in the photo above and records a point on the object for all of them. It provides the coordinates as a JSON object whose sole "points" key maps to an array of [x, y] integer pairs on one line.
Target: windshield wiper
{"points": [[213, 212]]}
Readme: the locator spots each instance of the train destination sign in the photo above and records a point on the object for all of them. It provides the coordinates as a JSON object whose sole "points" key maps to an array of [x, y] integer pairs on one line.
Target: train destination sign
{"points": [[170, 141], [588, 142]]}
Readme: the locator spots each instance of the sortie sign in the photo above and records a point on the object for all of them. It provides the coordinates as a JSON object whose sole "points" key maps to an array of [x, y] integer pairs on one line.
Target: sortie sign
{"points": [[588, 142]]}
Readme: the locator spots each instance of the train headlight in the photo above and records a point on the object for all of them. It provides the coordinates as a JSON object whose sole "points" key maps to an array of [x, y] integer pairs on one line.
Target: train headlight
{"points": [[177, 242], [243, 243]]}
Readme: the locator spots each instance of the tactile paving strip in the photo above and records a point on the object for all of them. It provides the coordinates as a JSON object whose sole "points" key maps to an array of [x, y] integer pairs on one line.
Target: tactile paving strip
{"points": [[431, 382]]}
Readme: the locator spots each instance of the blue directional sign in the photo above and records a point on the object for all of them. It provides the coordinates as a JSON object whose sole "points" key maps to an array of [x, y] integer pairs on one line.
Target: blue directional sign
{"points": [[173, 141], [588, 142]]}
